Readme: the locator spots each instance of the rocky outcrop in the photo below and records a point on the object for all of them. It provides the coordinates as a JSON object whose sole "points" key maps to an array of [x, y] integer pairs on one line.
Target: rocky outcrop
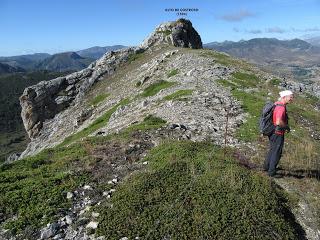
{"points": [[179, 33], [47, 98], [44, 100]]}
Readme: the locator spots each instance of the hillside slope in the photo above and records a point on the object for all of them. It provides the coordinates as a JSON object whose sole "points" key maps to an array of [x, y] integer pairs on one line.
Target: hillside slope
{"points": [[62, 62], [159, 142]]}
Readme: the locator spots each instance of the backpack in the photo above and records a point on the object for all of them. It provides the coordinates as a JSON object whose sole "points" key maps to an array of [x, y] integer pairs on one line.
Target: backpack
{"points": [[266, 123]]}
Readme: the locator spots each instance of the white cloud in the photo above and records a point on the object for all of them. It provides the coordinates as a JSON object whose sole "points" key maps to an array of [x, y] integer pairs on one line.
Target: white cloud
{"points": [[275, 30], [237, 16], [254, 31]]}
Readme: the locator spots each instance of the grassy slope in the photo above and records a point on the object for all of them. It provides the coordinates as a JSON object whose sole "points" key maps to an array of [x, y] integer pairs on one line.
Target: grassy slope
{"points": [[301, 151], [190, 189]]}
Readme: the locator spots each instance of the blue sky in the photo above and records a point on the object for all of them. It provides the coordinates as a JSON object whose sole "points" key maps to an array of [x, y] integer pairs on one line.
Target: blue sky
{"points": [[29, 26]]}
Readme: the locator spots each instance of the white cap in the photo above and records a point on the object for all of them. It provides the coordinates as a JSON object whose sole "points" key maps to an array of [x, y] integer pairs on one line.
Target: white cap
{"points": [[285, 93]]}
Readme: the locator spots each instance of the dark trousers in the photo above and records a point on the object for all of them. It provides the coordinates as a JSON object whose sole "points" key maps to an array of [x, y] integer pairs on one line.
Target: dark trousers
{"points": [[275, 151]]}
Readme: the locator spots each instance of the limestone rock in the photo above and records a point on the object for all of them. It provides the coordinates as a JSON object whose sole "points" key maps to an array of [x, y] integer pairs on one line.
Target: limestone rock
{"points": [[178, 33]]}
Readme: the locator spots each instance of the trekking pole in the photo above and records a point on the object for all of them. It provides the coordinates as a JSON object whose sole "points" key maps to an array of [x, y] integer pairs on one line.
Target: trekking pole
{"points": [[226, 131]]}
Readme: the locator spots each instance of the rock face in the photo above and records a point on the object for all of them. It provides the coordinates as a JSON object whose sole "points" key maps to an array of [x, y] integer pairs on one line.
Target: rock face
{"points": [[179, 33], [44, 100]]}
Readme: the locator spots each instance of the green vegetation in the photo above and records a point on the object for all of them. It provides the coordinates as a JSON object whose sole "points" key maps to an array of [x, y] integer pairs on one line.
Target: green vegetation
{"points": [[138, 84], [178, 94], [224, 59], [245, 80], [221, 58], [311, 99], [190, 191], [134, 56], [99, 98], [153, 89], [172, 73], [251, 102], [149, 122], [98, 123], [166, 32], [34, 189], [275, 81]]}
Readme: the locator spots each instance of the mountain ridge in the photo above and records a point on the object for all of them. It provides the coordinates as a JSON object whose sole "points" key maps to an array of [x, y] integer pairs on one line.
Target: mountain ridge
{"points": [[158, 141]]}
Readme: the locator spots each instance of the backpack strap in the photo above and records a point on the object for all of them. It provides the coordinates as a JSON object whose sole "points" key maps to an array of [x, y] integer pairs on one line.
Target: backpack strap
{"points": [[285, 108]]}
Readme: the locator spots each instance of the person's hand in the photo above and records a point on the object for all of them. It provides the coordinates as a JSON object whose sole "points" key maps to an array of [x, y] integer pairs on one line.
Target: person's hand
{"points": [[288, 129], [278, 128]]}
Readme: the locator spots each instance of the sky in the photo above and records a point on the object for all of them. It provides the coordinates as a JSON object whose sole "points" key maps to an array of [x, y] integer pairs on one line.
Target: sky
{"points": [[51, 26]]}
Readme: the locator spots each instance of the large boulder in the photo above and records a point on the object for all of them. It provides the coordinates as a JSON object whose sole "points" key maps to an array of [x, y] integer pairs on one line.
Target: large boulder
{"points": [[178, 33]]}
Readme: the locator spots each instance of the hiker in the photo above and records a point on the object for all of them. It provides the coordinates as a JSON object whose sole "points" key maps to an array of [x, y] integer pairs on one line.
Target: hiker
{"points": [[276, 139]]}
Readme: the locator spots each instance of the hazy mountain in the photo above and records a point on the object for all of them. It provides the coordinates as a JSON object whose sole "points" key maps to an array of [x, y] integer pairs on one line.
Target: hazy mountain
{"points": [[271, 51], [41, 60], [295, 57], [5, 68], [66, 61], [27, 62], [314, 41], [97, 52]]}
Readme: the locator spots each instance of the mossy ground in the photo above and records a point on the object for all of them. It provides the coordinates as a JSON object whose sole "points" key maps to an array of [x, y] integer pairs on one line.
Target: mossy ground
{"points": [[34, 189], [192, 191]]}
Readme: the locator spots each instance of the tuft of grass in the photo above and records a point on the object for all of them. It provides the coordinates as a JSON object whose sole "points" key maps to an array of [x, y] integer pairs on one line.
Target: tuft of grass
{"points": [[275, 81], [166, 32], [178, 94], [311, 99], [225, 59], [138, 84], [219, 57], [191, 192], [172, 73], [134, 56], [226, 83], [99, 98], [153, 89], [34, 189], [98, 123], [149, 122], [245, 80]]}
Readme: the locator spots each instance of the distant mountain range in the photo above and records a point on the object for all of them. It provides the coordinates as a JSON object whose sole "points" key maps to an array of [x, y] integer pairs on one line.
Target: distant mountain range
{"points": [[5, 68], [271, 51], [313, 40], [60, 62], [295, 57], [97, 52]]}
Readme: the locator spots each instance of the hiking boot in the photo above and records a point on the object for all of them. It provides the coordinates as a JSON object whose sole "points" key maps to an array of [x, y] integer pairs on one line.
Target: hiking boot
{"points": [[276, 175]]}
